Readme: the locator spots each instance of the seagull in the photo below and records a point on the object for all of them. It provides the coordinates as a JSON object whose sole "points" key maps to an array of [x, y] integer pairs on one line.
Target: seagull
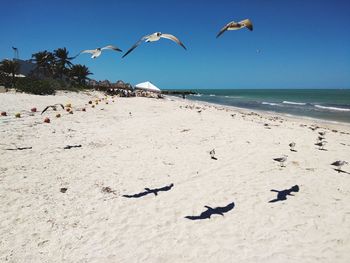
{"points": [[339, 164], [154, 37], [236, 25], [321, 144], [98, 51], [320, 138], [322, 133], [292, 145], [212, 154], [54, 107], [281, 160]]}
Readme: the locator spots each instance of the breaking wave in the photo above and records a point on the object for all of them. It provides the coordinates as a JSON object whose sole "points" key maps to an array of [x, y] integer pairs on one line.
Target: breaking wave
{"points": [[293, 102], [270, 103], [331, 108]]}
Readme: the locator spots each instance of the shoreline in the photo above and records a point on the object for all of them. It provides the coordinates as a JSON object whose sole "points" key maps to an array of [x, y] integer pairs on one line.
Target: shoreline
{"points": [[269, 113], [315, 106]]}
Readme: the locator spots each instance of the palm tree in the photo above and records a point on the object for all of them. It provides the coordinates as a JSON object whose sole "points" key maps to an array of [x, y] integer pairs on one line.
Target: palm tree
{"points": [[62, 61], [10, 68], [80, 73], [45, 62]]}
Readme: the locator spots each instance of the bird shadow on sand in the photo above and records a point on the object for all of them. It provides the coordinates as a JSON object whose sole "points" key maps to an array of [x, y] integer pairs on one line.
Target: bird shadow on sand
{"points": [[72, 146], [19, 148], [292, 150], [282, 195], [150, 191], [212, 211], [341, 171]]}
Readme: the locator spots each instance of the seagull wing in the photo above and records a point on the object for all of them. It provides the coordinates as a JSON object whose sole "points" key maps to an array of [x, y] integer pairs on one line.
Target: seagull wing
{"points": [[247, 23], [45, 109], [173, 38], [75, 56], [90, 51], [112, 47], [59, 104], [135, 45], [223, 30]]}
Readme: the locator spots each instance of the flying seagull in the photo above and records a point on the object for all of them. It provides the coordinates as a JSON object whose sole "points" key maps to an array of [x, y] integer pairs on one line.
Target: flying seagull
{"points": [[98, 51], [281, 160], [236, 25], [155, 37], [339, 164], [54, 107]]}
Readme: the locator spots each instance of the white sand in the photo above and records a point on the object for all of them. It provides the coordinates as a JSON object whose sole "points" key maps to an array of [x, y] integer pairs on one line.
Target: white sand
{"points": [[149, 148]]}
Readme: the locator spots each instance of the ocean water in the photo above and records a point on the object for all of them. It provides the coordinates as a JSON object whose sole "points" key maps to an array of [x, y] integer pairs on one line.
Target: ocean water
{"points": [[327, 104]]}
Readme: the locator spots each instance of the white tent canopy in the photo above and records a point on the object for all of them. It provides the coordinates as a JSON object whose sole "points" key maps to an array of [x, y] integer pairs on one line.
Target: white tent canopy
{"points": [[148, 86]]}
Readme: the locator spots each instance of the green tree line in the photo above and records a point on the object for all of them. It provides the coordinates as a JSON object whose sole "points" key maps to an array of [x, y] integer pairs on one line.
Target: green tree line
{"points": [[53, 71]]}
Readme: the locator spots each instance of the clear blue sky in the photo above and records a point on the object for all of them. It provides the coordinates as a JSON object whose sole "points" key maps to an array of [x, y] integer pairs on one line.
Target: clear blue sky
{"points": [[303, 43]]}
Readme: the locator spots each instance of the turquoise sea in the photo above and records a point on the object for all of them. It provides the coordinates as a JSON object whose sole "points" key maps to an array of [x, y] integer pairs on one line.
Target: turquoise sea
{"points": [[328, 104]]}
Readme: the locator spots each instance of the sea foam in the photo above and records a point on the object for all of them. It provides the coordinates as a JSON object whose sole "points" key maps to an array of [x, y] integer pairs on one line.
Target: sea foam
{"points": [[293, 102], [331, 108], [270, 103]]}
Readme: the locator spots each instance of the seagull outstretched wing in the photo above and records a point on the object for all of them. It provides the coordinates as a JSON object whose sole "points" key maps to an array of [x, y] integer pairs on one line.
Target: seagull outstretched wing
{"points": [[247, 23], [45, 109], [90, 51], [135, 45], [173, 38], [112, 48], [223, 30]]}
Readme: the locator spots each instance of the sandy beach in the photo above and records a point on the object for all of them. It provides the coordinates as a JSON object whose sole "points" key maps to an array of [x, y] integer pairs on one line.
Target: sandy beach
{"points": [[67, 205]]}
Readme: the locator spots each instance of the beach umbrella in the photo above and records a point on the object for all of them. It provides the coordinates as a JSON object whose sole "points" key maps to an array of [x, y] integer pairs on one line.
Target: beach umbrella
{"points": [[148, 86]]}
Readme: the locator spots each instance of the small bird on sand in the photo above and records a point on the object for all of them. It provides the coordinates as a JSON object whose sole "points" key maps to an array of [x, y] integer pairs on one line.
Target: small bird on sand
{"points": [[98, 51], [339, 164], [321, 145], [281, 160], [54, 107], [154, 37], [292, 146], [212, 154], [235, 26], [323, 133], [320, 138]]}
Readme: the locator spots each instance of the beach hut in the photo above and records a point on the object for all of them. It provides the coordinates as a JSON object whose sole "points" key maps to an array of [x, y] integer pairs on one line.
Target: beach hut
{"points": [[147, 86]]}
